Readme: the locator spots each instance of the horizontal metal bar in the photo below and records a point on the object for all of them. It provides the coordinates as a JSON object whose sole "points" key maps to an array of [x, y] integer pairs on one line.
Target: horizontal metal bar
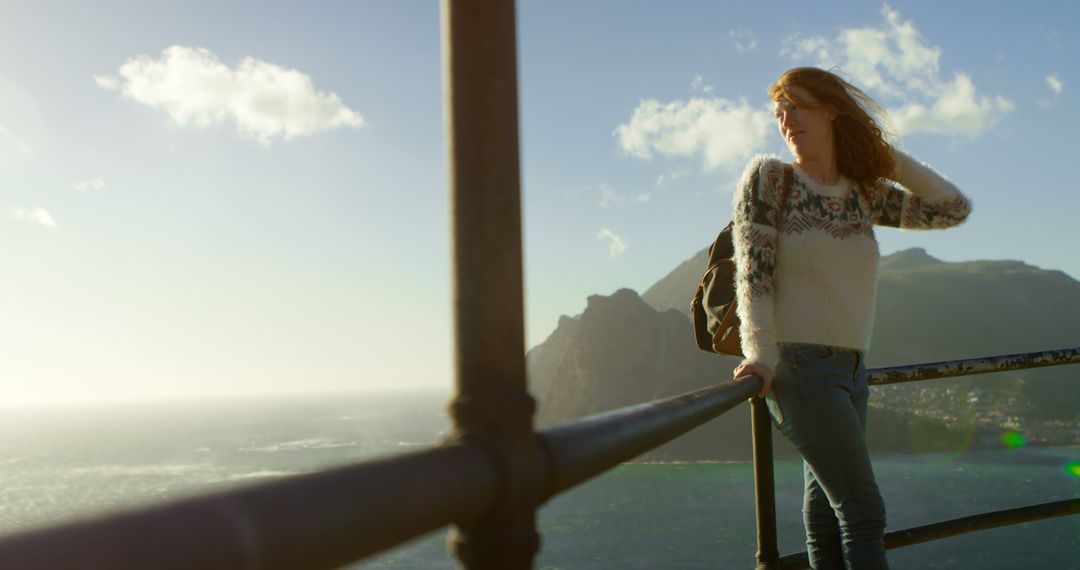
{"points": [[330, 518], [981, 521], [958, 526], [951, 368], [318, 520], [333, 517], [580, 450]]}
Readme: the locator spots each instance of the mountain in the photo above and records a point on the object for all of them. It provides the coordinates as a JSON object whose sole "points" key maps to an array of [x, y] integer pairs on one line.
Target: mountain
{"points": [[945, 311], [913, 258], [620, 352], [625, 349], [671, 291], [928, 308], [544, 360]]}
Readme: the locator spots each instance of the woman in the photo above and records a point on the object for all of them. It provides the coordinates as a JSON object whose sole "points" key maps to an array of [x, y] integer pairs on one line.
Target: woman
{"points": [[806, 268]]}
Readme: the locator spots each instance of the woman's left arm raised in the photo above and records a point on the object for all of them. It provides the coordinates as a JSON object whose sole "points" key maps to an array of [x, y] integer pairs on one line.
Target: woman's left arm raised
{"points": [[932, 202]]}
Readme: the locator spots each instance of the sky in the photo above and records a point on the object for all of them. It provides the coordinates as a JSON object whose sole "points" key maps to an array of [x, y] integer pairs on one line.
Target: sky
{"points": [[221, 199]]}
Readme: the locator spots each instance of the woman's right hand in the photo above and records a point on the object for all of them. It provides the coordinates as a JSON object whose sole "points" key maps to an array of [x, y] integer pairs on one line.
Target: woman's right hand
{"points": [[759, 370]]}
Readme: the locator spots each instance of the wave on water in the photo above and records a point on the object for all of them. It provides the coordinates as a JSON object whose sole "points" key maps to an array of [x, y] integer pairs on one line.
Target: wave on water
{"points": [[301, 445], [164, 470], [692, 462], [415, 444], [263, 474]]}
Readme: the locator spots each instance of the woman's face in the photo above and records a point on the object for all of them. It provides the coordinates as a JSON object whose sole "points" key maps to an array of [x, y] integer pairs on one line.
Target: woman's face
{"points": [[805, 124]]}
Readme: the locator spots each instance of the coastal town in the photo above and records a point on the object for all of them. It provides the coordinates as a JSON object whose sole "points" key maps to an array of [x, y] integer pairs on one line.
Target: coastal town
{"points": [[988, 413]]}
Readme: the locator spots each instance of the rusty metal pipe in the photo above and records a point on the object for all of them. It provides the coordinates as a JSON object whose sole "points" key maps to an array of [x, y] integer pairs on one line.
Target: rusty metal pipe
{"points": [[950, 368], [764, 487], [958, 526], [583, 449], [318, 520]]}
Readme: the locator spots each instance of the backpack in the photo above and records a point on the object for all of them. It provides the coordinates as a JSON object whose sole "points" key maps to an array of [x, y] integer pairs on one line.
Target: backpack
{"points": [[714, 306]]}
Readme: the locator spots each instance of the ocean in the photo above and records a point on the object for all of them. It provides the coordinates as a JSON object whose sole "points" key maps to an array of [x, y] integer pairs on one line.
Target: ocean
{"points": [[60, 463]]}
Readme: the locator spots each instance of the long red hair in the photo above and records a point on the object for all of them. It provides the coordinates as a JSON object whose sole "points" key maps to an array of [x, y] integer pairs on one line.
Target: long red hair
{"points": [[860, 128]]}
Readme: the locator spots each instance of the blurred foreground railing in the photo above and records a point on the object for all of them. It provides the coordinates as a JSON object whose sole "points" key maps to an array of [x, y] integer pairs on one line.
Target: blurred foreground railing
{"points": [[489, 478], [331, 518]]}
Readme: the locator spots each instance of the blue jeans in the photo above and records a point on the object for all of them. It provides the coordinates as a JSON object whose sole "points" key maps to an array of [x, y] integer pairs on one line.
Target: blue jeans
{"points": [[818, 401]]}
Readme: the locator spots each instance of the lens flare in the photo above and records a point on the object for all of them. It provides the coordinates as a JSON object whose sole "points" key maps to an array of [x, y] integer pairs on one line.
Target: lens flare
{"points": [[947, 436], [1073, 468], [1013, 439]]}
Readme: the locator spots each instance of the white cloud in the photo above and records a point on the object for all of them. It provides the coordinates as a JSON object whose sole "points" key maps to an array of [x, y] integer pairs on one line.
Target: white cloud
{"points": [[95, 184], [798, 47], [744, 40], [724, 133], [1055, 84], [894, 62], [667, 180], [956, 111], [107, 83], [610, 198], [34, 215], [266, 101], [616, 245], [698, 85], [1057, 87]]}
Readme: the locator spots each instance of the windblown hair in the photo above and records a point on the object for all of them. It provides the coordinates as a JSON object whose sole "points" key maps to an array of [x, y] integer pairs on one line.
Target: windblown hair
{"points": [[860, 129]]}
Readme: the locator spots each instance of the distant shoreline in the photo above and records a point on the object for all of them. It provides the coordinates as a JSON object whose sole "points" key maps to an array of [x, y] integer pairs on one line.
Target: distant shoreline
{"points": [[218, 399], [1021, 456]]}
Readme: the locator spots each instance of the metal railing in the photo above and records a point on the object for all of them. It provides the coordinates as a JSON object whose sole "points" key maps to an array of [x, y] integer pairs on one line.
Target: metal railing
{"points": [[962, 525], [971, 366], [494, 472], [342, 515], [330, 518]]}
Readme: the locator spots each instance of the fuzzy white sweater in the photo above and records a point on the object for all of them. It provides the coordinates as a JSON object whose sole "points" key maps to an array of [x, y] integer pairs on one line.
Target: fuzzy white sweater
{"points": [[807, 274]]}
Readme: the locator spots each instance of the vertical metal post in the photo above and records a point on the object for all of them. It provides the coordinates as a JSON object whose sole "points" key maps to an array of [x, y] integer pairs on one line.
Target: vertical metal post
{"points": [[492, 407], [764, 490]]}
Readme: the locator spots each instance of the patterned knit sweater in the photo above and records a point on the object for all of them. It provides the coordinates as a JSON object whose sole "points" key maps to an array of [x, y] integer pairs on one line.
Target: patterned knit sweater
{"points": [[808, 274]]}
